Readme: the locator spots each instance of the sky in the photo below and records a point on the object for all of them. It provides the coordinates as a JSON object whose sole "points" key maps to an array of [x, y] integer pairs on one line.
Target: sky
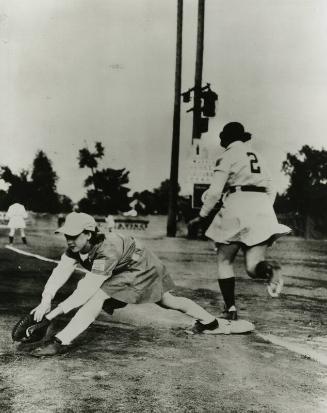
{"points": [[80, 71]]}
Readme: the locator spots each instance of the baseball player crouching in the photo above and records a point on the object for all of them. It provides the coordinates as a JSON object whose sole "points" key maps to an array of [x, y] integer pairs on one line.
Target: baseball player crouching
{"points": [[120, 271], [246, 219]]}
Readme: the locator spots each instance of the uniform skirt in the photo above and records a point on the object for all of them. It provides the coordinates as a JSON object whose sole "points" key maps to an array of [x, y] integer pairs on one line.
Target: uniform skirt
{"points": [[145, 280], [16, 222], [248, 218]]}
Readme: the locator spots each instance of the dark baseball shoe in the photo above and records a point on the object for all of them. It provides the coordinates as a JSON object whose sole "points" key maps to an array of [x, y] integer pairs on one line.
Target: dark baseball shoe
{"points": [[231, 313], [199, 328], [213, 328], [53, 348]]}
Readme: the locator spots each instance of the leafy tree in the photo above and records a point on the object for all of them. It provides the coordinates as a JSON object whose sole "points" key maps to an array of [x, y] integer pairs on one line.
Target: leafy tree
{"points": [[149, 199], [39, 193], [3, 200], [90, 159], [20, 188], [156, 202], [44, 197], [282, 204], [162, 196], [307, 191], [108, 195], [65, 203]]}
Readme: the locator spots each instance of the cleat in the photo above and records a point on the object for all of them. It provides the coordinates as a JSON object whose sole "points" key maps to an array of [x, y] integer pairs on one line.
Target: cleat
{"points": [[224, 327], [53, 348], [231, 313], [199, 328]]}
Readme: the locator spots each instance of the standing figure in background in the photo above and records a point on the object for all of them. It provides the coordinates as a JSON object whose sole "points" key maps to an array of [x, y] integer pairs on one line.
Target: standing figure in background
{"points": [[110, 221], [246, 220], [17, 216]]}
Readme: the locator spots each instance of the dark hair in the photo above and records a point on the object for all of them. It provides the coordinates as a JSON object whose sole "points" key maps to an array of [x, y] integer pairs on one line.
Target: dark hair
{"points": [[96, 236], [246, 137], [234, 131]]}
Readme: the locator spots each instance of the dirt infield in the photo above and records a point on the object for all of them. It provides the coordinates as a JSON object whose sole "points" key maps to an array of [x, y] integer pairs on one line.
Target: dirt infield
{"points": [[141, 360]]}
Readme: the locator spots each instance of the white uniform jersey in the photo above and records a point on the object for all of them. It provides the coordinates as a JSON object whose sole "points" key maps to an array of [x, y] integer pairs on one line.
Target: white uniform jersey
{"points": [[244, 166], [16, 215], [239, 165], [246, 216]]}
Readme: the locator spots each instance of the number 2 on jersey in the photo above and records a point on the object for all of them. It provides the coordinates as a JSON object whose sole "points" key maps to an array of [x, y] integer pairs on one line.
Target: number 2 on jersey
{"points": [[254, 163]]}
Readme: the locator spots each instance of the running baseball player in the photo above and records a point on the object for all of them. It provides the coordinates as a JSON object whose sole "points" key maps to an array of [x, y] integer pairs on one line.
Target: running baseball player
{"points": [[246, 220], [16, 215], [120, 271]]}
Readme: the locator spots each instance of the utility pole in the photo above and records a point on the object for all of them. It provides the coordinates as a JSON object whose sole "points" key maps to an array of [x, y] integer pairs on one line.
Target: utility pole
{"points": [[196, 131], [173, 187]]}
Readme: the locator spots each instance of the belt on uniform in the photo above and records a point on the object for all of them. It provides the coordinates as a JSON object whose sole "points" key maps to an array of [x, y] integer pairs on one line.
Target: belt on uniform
{"points": [[247, 188]]}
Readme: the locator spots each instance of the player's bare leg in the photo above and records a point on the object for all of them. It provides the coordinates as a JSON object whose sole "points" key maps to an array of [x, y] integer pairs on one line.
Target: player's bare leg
{"points": [[11, 235], [205, 321], [186, 306], [258, 267], [23, 236], [226, 254]]}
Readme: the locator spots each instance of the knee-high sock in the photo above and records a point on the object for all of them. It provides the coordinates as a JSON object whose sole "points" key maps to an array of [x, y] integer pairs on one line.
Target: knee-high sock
{"points": [[227, 288]]}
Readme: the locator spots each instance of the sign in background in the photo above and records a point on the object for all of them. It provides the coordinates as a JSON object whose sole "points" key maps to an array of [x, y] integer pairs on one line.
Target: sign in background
{"points": [[200, 176], [198, 190]]}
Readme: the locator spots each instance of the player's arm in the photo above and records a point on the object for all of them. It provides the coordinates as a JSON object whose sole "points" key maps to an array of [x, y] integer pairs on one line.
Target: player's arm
{"points": [[86, 287], [214, 193], [59, 276], [270, 187], [271, 191]]}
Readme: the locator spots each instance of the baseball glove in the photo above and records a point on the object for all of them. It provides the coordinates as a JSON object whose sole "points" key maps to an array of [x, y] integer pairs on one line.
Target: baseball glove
{"points": [[27, 330]]}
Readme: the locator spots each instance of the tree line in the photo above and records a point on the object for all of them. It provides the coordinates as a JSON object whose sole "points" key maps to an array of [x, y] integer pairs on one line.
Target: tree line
{"points": [[107, 190]]}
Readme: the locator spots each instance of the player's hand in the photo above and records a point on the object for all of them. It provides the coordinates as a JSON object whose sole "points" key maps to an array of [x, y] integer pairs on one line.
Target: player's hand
{"points": [[196, 221], [41, 310], [194, 227]]}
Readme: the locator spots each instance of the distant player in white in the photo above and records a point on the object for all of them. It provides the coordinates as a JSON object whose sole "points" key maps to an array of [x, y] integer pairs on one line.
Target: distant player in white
{"points": [[17, 216], [246, 219]]}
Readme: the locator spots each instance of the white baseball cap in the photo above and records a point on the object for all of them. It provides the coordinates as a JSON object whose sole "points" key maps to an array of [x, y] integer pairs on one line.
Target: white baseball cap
{"points": [[76, 223]]}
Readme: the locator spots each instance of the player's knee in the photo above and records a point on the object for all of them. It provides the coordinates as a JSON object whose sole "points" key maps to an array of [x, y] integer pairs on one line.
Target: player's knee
{"points": [[263, 270], [172, 302]]}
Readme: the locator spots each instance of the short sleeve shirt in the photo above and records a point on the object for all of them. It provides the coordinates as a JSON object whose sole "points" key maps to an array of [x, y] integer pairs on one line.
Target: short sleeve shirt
{"points": [[109, 257]]}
